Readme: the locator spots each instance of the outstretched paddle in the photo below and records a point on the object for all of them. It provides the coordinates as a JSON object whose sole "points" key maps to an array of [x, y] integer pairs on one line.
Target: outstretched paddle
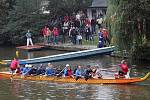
{"points": [[61, 71], [3, 62]]}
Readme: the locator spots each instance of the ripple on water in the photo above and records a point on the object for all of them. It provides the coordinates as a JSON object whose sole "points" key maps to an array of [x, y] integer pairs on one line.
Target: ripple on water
{"points": [[21, 96]]}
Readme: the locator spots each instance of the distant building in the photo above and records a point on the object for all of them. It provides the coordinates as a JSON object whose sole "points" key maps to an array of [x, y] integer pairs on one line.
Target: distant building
{"points": [[98, 8], [44, 4]]}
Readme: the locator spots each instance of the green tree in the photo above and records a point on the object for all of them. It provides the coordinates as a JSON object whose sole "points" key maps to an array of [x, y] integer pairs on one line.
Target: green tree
{"points": [[22, 15], [5, 7], [63, 7], [129, 25], [25, 15]]}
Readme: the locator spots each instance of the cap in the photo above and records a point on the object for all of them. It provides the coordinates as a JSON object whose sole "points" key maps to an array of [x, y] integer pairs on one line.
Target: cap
{"points": [[27, 65], [79, 66], [67, 65], [30, 65], [93, 70], [123, 61], [104, 29]]}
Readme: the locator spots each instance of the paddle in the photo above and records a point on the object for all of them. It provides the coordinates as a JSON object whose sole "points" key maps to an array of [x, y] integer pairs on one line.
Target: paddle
{"points": [[108, 70], [3, 62], [61, 71]]}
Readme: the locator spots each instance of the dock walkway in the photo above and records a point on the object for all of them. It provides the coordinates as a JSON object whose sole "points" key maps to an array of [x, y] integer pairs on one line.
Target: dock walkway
{"points": [[64, 47]]}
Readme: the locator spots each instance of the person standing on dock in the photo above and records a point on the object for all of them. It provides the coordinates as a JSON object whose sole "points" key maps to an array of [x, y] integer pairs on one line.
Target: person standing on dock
{"points": [[55, 33], [46, 34], [29, 39], [101, 39], [106, 36]]}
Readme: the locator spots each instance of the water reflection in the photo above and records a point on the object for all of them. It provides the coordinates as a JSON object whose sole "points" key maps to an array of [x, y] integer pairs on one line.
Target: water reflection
{"points": [[36, 90], [30, 55]]}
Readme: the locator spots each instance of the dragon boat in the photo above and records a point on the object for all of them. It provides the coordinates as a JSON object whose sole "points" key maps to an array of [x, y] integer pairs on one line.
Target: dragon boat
{"points": [[8, 75]]}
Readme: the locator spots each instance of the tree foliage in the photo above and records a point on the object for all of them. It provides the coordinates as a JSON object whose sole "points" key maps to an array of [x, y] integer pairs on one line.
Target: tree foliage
{"points": [[17, 16], [63, 7], [5, 7], [25, 15], [129, 24]]}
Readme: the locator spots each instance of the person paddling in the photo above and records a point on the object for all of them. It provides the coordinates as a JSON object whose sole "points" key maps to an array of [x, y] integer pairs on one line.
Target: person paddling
{"points": [[14, 65], [88, 72], [50, 70], [78, 73], [123, 70], [68, 71]]}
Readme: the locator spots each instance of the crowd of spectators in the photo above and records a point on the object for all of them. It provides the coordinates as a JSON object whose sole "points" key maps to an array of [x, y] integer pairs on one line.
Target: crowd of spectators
{"points": [[71, 28]]}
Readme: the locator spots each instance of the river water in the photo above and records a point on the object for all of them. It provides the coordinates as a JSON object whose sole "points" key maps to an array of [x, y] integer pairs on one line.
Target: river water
{"points": [[43, 90]]}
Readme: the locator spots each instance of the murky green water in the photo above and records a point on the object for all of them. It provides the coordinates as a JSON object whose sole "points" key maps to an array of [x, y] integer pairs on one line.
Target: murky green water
{"points": [[43, 90]]}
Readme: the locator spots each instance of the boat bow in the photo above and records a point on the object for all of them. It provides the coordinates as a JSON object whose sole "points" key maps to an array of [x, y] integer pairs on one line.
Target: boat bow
{"points": [[146, 76]]}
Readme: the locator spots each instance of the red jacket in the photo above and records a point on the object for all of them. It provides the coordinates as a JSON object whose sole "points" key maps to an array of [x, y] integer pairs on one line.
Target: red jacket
{"points": [[105, 33], [124, 68], [45, 31], [69, 72], [14, 64], [55, 32]]}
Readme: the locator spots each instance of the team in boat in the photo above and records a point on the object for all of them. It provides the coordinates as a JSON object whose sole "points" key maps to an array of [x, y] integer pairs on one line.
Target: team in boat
{"points": [[87, 72]]}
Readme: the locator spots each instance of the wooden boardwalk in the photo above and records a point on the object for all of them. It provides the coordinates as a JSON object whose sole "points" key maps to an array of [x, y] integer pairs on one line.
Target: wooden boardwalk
{"points": [[31, 48], [68, 47], [63, 47]]}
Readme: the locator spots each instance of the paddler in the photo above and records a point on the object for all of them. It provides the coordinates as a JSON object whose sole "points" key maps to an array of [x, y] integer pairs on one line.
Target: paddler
{"points": [[78, 73], [88, 72], [68, 71], [14, 65], [123, 70]]}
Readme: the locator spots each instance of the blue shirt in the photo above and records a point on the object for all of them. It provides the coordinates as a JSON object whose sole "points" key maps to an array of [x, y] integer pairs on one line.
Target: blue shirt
{"points": [[100, 36], [25, 70], [66, 72], [50, 72], [101, 41], [78, 72]]}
